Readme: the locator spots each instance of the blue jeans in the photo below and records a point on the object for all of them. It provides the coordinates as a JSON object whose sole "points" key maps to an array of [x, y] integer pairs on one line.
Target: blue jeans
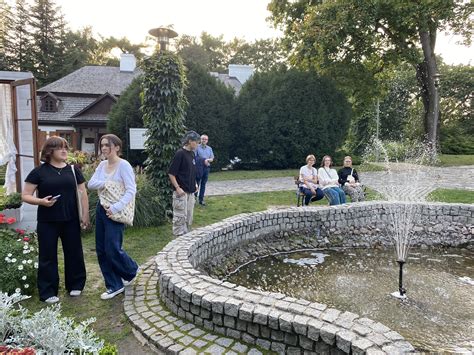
{"points": [[335, 195], [114, 262], [202, 181], [308, 195]]}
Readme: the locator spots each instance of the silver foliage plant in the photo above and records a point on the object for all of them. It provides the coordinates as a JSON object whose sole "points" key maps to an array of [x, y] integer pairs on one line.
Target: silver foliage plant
{"points": [[46, 330]]}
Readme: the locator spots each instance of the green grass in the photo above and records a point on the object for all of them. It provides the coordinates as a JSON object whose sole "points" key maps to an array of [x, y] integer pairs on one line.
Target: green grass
{"points": [[455, 160], [452, 196], [262, 174]]}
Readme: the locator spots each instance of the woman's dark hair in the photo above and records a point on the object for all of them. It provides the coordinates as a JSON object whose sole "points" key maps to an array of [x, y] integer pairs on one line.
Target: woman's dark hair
{"points": [[51, 144], [112, 138], [324, 158]]}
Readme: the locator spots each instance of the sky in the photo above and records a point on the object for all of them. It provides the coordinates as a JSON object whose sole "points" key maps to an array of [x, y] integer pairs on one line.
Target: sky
{"points": [[231, 18]]}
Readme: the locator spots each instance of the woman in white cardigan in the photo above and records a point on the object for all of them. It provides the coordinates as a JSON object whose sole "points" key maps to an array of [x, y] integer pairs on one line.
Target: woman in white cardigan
{"points": [[117, 267], [329, 182]]}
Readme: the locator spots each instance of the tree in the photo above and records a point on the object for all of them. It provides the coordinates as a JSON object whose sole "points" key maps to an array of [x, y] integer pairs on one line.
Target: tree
{"points": [[46, 23], [374, 34], [285, 115], [6, 26], [126, 114], [215, 54], [163, 108], [210, 110]]}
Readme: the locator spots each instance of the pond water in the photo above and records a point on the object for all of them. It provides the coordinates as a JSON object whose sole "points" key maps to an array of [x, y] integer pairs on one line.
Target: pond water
{"points": [[438, 314]]}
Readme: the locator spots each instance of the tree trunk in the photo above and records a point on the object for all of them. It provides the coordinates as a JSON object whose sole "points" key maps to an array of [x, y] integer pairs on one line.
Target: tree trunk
{"points": [[426, 75]]}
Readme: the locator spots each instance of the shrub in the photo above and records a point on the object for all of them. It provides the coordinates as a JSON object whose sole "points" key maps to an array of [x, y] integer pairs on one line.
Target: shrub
{"points": [[18, 259], [46, 331], [285, 115], [10, 201]]}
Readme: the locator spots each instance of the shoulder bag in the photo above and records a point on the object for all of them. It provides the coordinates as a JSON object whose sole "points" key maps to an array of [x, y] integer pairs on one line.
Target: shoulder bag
{"points": [[78, 195], [111, 193]]}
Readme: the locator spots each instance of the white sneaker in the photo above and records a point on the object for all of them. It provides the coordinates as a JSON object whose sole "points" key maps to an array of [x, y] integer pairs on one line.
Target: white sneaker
{"points": [[126, 283], [107, 295], [75, 293], [52, 299]]}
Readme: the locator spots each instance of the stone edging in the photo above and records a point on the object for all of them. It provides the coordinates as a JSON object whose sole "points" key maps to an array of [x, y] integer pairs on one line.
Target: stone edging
{"points": [[274, 321], [162, 331]]}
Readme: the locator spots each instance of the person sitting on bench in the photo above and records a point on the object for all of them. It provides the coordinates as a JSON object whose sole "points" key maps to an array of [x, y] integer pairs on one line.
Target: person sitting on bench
{"points": [[349, 180], [329, 181], [309, 181]]}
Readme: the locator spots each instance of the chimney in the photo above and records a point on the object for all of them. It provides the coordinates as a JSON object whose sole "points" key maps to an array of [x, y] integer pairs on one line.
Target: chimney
{"points": [[128, 62], [241, 72]]}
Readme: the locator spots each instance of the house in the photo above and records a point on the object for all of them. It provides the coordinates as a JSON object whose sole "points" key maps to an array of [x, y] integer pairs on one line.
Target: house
{"points": [[237, 76], [76, 106]]}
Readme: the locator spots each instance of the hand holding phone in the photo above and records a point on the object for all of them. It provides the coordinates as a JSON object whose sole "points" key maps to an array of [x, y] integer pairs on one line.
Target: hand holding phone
{"points": [[56, 197]]}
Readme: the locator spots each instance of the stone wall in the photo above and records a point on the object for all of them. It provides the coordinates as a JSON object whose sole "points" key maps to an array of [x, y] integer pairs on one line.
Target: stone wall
{"points": [[284, 324]]}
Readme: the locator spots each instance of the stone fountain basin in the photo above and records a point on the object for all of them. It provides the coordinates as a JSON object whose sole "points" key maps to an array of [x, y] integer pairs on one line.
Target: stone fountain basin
{"points": [[284, 324]]}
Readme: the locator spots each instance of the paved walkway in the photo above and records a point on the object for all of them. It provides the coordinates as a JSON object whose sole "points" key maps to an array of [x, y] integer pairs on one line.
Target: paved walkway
{"points": [[402, 182]]}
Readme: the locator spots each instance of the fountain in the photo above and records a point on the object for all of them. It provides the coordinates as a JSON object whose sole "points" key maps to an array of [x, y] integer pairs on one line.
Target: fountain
{"points": [[402, 183], [192, 273]]}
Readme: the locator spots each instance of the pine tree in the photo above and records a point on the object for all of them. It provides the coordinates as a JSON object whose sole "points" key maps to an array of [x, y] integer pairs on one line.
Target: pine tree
{"points": [[6, 24], [45, 22], [21, 42]]}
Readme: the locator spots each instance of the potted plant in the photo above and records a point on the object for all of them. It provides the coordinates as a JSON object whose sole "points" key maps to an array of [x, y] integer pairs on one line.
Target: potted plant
{"points": [[10, 205]]}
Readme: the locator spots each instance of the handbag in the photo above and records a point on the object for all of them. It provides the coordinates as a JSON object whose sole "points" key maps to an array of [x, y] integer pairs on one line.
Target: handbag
{"points": [[111, 193], [78, 195]]}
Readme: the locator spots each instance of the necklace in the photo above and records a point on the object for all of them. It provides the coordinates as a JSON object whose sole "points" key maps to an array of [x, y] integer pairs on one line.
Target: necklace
{"points": [[56, 169]]}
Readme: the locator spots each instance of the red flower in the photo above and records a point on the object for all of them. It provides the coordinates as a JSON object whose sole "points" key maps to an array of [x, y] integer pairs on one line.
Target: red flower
{"points": [[20, 231], [26, 239], [11, 220]]}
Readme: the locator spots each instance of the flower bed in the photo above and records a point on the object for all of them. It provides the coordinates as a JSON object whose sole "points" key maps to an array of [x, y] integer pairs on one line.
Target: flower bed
{"points": [[18, 258]]}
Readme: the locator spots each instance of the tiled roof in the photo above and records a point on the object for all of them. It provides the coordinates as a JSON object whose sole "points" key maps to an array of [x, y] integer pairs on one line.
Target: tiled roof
{"points": [[93, 117], [93, 80], [229, 81], [68, 106]]}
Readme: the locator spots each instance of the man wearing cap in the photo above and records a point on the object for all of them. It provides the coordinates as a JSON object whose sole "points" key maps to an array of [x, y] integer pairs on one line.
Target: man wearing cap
{"points": [[205, 157], [182, 174]]}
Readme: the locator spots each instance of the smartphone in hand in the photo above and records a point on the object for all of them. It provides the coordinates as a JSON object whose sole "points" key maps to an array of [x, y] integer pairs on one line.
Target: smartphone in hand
{"points": [[56, 197]]}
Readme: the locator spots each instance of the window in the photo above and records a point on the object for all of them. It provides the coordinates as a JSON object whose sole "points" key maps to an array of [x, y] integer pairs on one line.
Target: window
{"points": [[48, 104]]}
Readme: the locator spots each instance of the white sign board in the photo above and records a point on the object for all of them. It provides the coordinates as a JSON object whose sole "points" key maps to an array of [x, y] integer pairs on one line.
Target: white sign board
{"points": [[137, 138]]}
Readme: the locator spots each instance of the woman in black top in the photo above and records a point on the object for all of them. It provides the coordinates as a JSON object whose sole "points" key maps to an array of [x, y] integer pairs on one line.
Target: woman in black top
{"points": [[349, 180], [55, 185]]}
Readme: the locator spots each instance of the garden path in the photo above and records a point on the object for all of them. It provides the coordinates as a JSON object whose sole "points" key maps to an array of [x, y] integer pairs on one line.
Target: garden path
{"points": [[414, 181]]}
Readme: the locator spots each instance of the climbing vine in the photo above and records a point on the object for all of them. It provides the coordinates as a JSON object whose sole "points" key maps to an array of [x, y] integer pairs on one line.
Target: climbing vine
{"points": [[163, 107]]}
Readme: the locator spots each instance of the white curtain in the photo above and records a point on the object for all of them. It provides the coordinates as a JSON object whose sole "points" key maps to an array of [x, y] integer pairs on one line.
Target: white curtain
{"points": [[7, 143]]}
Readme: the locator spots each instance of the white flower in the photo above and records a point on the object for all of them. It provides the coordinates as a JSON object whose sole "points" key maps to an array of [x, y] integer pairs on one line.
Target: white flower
{"points": [[35, 265], [25, 251], [25, 246], [23, 262], [29, 261], [23, 277], [7, 259], [9, 255], [26, 285], [20, 267], [17, 290], [14, 260]]}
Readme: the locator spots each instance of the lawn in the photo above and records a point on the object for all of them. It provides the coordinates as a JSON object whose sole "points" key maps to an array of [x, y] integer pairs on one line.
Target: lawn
{"points": [[452, 196], [143, 243], [455, 160]]}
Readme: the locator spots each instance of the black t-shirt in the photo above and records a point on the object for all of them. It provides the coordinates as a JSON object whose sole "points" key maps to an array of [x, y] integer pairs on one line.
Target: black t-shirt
{"points": [[345, 172], [183, 167], [53, 181]]}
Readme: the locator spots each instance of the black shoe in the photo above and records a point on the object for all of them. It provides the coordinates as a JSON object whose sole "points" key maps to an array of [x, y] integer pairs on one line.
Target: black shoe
{"points": [[202, 203]]}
